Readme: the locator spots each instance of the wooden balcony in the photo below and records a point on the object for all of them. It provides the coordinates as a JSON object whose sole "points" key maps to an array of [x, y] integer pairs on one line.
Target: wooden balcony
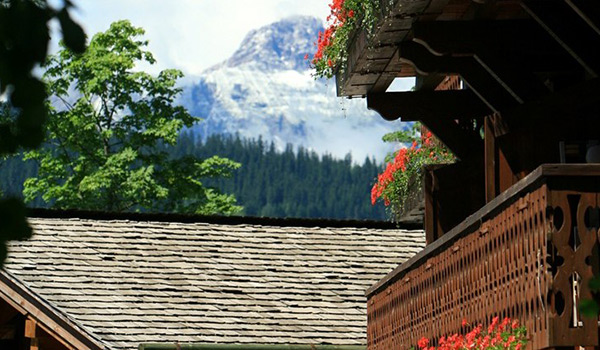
{"points": [[527, 254]]}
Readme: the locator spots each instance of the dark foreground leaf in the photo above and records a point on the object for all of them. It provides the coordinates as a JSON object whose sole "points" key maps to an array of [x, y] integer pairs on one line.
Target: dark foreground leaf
{"points": [[73, 34]]}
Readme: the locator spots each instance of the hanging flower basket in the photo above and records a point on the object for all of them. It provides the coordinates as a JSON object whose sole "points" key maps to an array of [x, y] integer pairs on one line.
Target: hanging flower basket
{"points": [[346, 17], [413, 203], [400, 186]]}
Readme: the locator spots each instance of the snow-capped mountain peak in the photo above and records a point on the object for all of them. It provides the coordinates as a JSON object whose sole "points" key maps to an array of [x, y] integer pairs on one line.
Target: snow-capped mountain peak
{"points": [[266, 89], [279, 46]]}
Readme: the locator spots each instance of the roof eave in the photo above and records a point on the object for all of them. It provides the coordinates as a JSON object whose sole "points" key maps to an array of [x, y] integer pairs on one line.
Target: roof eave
{"points": [[51, 319], [373, 61]]}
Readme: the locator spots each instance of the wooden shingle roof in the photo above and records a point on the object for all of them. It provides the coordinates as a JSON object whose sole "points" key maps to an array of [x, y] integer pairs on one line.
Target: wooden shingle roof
{"points": [[127, 282]]}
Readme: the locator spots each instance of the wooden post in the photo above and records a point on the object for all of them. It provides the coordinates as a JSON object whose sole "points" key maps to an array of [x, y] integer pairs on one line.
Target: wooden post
{"points": [[430, 219], [490, 160], [31, 332]]}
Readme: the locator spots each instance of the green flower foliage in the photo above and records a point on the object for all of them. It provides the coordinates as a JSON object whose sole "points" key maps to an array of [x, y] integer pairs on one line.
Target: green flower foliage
{"points": [[108, 147], [403, 174]]}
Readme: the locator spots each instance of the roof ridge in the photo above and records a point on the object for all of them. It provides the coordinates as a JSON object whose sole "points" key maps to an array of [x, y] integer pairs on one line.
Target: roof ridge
{"points": [[223, 220]]}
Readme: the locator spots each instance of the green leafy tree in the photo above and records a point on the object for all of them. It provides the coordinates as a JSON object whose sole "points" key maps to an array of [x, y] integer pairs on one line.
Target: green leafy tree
{"points": [[108, 147], [24, 37]]}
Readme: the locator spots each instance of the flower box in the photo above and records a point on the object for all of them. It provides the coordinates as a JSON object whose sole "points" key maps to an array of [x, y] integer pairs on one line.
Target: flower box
{"points": [[413, 204]]}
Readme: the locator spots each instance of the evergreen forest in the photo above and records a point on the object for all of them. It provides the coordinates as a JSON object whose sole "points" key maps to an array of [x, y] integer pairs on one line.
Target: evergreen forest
{"points": [[289, 183]]}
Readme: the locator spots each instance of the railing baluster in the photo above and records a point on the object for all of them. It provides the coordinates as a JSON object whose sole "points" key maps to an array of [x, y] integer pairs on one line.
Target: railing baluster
{"points": [[517, 262]]}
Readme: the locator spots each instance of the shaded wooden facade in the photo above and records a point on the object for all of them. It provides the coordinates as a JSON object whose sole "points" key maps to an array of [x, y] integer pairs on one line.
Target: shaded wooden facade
{"points": [[510, 87]]}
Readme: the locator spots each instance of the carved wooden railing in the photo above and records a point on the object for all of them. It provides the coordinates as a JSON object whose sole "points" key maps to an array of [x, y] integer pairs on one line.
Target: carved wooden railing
{"points": [[528, 254]]}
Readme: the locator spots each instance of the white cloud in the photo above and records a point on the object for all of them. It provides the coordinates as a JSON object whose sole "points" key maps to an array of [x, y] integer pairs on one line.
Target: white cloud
{"points": [[192, 35]]}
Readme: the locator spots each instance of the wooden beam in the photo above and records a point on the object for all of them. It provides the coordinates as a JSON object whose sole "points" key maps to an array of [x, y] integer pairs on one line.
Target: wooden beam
{"points": [[55, 324], [425, 62], [431, 221], [465, 144], [588, 10], [503, 58], [569, 30], [417, 105], [490, 160], [568, 103], [485, 86], [543, 61], [32, 332], [31, 328], [520, 83], [428, 82], [514, 37]]}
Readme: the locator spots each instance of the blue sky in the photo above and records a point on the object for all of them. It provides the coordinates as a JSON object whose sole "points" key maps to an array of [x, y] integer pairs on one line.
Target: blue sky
{"points": [[192, 35]]}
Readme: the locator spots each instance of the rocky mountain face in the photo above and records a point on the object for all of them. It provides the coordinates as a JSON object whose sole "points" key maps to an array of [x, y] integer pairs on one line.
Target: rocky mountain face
{"points": [[266, 89]]}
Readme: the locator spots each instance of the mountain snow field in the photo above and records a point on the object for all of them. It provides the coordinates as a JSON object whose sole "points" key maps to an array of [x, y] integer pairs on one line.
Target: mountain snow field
{"points": [[266, 89]]}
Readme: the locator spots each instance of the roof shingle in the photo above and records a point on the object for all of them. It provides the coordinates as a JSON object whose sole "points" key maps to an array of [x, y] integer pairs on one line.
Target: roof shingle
{"points": [[128, 282]]}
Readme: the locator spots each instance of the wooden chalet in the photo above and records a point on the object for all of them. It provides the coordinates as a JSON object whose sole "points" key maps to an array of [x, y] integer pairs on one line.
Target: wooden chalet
{"points": [[93, 281], [512, 88]]}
